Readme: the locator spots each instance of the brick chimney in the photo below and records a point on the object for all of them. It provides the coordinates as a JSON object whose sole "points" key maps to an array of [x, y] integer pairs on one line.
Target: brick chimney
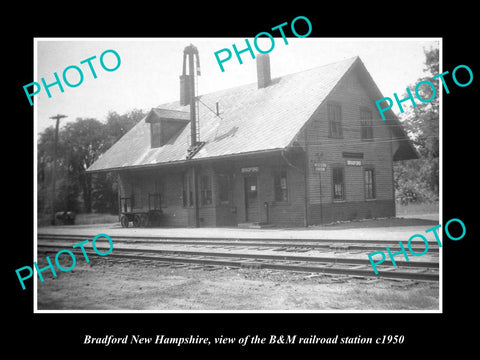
{"points": [[263, 71]]}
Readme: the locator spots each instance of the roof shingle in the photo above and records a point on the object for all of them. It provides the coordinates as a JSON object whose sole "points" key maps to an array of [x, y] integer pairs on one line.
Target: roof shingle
{"points": [[250, 120]]}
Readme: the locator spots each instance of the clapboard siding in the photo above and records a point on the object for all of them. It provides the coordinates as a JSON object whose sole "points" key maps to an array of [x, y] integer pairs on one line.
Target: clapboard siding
{"points": [[310, 191], [351, 96], [352, 210], [291, 213]]}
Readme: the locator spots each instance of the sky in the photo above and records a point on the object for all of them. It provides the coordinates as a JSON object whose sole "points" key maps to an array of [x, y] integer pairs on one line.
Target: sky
{"points": [[149, 71]]}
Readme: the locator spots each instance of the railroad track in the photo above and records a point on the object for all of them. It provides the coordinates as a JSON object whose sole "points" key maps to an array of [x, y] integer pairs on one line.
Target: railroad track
{"points": [[338, 245], [219, 253]]}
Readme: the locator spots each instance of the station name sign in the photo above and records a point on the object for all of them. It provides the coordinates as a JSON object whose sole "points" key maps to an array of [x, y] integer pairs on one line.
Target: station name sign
{"points": [[320, 166], [253, 169], [354, 162]]}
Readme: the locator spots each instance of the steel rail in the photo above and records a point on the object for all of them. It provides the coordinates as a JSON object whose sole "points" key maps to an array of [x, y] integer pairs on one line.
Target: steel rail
{"points": [[335, 260], [205, 258], [334, 244]]}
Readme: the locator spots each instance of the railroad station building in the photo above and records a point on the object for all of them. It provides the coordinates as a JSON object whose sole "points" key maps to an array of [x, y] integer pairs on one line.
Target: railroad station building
{"points": [[296, 150]]}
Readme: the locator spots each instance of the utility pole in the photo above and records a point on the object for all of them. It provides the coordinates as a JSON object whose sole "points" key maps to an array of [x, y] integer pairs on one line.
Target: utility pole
{"points": [[54, 169]]}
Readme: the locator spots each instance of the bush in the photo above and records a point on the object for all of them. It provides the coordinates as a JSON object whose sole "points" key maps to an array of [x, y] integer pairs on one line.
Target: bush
{"points": [[416, 181], [410, 192]]}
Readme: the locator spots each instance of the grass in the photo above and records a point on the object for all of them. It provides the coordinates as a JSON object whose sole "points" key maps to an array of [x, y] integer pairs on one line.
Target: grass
{"points": [[423, 208], [146, 286], [419, 296], [81, 219]]}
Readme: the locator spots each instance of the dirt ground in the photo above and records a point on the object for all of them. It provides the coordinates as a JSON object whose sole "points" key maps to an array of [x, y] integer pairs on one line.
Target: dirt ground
{"points": [[114, 285]]}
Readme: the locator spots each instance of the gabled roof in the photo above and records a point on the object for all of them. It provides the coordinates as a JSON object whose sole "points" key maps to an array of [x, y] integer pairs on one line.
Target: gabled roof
{"points": [[250, 120]]}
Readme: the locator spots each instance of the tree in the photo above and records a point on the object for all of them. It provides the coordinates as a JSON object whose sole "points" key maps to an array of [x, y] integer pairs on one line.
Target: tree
{"points": [[85, 139], [80, 143], [67, 192], [104, 186], [118, 125], [418, 180]]}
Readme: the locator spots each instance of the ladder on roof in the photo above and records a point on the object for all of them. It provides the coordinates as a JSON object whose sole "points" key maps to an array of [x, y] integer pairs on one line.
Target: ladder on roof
{"points": [[194, 149], [197, 113]]}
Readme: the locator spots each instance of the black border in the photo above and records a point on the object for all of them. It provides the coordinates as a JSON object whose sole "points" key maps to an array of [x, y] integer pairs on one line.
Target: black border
{"points": [[424, 333]]}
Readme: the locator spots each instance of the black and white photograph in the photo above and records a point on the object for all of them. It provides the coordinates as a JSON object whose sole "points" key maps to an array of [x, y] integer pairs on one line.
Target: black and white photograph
{"points": [[241, 184], [266, 185]]}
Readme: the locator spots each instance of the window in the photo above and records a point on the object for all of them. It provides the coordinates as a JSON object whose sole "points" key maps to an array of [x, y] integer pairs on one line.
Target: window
{"points": [[155, 133], [369, 184], [338, 183], [334, 120], [280, 186], [126, 204], [187, 190], [224, 188], [136, 196], [366, 124], [132, 196], [155, 199], [205, 190]]}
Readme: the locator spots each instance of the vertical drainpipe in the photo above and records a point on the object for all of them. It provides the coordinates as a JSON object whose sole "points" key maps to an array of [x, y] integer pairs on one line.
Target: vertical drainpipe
{"points": [[195, 196], [306, 172], [393, 175], [320, 195], [119, 196]]}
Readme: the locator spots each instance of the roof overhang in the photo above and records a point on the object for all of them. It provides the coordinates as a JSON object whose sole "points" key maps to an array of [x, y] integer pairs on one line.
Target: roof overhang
{"points": [[190, 162]]}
